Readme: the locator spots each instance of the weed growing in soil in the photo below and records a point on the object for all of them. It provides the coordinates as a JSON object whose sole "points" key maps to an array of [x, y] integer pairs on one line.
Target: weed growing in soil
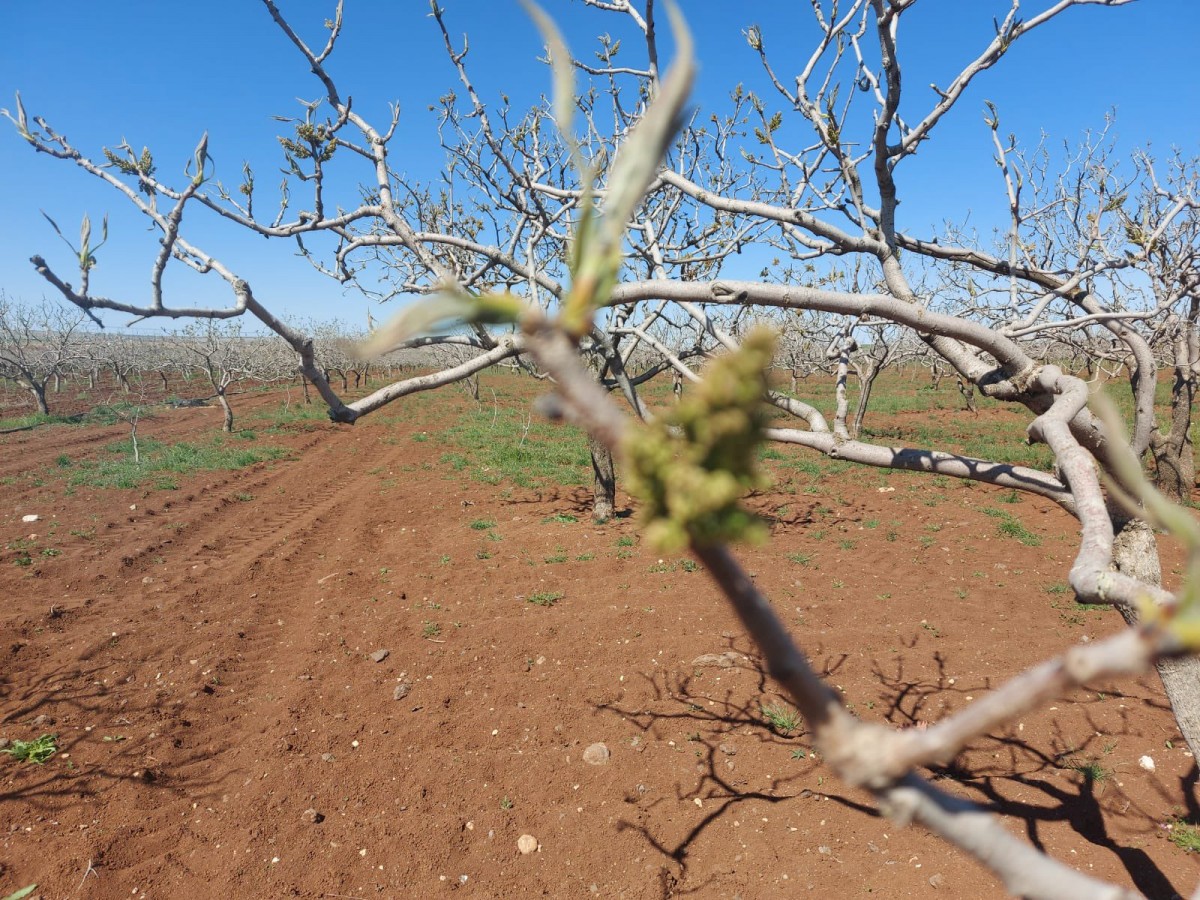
{"points": [[1185, 835], [503, 444], [782, 719], [1009, 526], [1091, 770], [483, 524], [159, 462], [37, 751], [544, 598]]}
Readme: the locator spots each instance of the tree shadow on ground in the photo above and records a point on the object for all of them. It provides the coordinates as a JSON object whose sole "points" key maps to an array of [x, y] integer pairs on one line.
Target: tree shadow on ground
{"points": [[1074, 778], [684, 699], [1072, 784], [98, 716]]}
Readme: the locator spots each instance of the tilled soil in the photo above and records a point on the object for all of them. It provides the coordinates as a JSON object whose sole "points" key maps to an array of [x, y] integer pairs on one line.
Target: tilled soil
{"points": [[207, 657]]}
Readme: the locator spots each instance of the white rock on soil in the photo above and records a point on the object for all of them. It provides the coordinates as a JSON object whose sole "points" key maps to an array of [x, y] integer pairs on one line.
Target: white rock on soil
{"points": [[596, 755], [30, 518], [1146, 763], [527, 843]]}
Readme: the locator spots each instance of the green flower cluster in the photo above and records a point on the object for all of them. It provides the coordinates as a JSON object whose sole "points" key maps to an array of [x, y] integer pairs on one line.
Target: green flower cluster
{"points": [[692, 465]]}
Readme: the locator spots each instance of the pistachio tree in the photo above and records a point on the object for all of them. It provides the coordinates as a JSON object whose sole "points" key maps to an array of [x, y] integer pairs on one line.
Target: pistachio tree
{"points": [[37, 343], [594, 229]]}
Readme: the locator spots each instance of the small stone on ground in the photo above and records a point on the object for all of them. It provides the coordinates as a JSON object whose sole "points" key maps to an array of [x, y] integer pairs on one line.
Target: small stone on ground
{"points": [[596, 755]]}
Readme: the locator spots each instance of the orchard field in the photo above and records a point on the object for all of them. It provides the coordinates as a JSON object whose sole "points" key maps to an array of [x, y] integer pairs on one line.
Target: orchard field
{"points": [[315, 660]]}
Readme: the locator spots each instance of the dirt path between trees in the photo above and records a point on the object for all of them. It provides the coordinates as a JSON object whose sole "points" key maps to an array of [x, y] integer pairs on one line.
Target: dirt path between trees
{"points": [[205, 657]]}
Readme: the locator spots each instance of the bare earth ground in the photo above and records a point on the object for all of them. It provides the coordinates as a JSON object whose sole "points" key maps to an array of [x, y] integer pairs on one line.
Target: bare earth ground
{"points": [[203, 655]]}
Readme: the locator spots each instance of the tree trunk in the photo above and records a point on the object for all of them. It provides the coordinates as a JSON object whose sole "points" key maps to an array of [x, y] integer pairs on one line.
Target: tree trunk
{"points": [[605, 496], [1136, 554], [1174, 456], [967, 389], [228, 410], [864, 397], [304, 383], [39, 396]]}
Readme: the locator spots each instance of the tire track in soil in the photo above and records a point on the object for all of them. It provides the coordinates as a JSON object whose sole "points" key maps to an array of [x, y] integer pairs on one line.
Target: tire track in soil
{"points": [[182, 515], [237, 585]]}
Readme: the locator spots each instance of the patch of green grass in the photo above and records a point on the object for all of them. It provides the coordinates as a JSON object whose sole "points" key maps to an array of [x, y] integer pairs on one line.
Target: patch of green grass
{"points": [[585, 557], [625, 540], [560, 518], [36, 751], [544, 598], [288, 414], [32, 419], [1010, 526], [801, 559], [1092, 770], [559, 556], [1185, 835], [483, 524], [782, 719], [505, 444], [430, 629], [160, 462]]}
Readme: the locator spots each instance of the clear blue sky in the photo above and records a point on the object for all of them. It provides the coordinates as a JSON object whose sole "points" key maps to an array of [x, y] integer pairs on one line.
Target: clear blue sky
{"points": [[160, 73]]}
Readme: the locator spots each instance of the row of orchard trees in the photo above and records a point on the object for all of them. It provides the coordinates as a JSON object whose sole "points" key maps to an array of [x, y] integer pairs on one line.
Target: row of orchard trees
{"points": [[606, 236], [44, 345]]}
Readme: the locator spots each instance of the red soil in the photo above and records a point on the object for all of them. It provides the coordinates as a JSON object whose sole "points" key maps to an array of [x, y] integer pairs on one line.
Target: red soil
{"points": [[204, 658]]}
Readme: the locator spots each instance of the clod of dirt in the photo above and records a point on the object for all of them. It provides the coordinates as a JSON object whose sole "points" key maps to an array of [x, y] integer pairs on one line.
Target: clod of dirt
{"points": [[725, 660], [380, 655], [328, 757], [937, 880], [596, 755], [312, 816], [527, 843], [727, 749], [401, 690]]}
